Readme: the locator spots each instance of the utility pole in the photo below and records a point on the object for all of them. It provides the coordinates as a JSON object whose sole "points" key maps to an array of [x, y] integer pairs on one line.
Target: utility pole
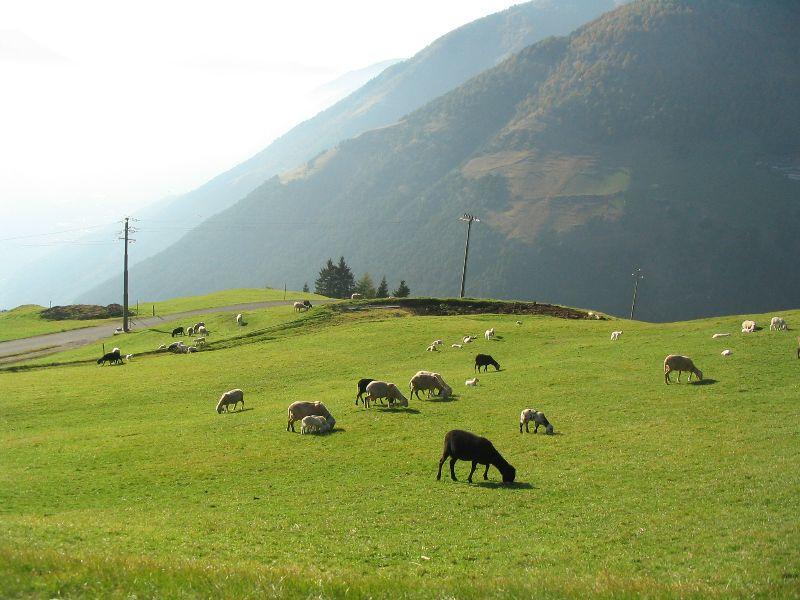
{"points": [[469, 219], [128, 230], [637, 276]]}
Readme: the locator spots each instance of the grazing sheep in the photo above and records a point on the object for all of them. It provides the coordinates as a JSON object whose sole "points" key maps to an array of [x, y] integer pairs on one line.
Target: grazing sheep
{"points": [[239, 319], [432, 348], [463, 445], [719, 335], [189, 349], [362, 388], [519, 322], [118, 331], [129, 357], [798, 347], [112, 358], [615, 335], [429, 381], [190, 331], [300, 307], [202, 330], [307, 304], [484, 360], [530, 414], [471, 382], [726, 352], [201, 341], [228, 398], [777, 324], [456, 346], [161, 348], [489, 334], [300, 409], [469, 338], [748, 326], [177, 331], [200, 324], [356, 296], [676, 362], [437, 342], [175, 347], [384, 389], [314, 424]]}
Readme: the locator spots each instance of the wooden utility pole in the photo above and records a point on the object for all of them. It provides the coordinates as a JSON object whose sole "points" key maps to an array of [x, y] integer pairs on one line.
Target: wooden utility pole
{"points": [[637, 275], [469, 219], [125, 284]]}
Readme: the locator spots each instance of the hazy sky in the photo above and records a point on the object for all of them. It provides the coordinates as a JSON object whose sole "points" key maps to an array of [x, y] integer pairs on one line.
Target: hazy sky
{"points": [[107, 106]]}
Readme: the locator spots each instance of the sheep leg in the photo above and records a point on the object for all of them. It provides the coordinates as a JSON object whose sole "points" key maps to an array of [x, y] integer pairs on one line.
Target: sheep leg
{"points": [[453, 468], [536, 428], [666, 376], [445, 454], [472, 470], [520, 426], [486, 473]]}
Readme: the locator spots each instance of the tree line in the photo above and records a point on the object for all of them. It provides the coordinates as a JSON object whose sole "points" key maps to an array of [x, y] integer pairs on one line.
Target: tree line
{"points": [[338, 281]]}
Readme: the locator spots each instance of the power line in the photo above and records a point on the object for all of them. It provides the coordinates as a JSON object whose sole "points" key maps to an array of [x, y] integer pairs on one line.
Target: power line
{"points": [[31, 235]]}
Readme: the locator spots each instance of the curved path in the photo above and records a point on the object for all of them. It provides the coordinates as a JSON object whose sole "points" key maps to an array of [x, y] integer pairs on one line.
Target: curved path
{"points": [[41, 345]]}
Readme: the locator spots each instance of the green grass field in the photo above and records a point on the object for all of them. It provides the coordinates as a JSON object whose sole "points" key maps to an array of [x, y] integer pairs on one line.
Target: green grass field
{"points": [[123, 481], [26, 321]]}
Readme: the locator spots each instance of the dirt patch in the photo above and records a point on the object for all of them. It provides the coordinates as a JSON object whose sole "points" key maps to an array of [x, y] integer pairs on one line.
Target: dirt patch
{"points": [[448, 306], [83, 312]]}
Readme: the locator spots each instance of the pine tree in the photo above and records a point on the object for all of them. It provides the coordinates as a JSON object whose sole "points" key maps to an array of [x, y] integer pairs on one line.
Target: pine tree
{"points": [[344, 280], [305, 287], [365, 286], [383, 289], [402, 290], [325, 285]]}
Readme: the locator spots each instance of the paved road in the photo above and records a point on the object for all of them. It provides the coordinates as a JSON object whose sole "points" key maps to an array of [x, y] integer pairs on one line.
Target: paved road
{"points": [[41, 345]]}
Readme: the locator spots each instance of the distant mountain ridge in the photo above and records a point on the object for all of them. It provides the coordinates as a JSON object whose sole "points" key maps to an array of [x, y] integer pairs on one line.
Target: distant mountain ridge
{"points": [[646, 138], [403, 87]]}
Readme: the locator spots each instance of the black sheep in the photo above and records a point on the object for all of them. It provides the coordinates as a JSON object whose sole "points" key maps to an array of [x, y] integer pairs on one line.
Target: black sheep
{"points": [[484, 360], [111, 357], [307, 303], [362, 388], [463, 445], [177, 331]]}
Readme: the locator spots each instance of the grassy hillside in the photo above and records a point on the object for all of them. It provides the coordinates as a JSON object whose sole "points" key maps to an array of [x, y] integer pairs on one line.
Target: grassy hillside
{"points": [[651, 137], [123, 480], [26, 321]]}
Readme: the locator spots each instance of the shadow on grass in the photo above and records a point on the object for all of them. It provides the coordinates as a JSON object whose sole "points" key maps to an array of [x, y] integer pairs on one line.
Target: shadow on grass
{"points": [[392, 409], [450, 398], [512, 487], [704, 382], [241, 410]]}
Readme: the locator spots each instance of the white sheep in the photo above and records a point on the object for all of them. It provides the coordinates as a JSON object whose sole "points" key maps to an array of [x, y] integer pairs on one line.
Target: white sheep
{"points": [[615, 335], [314, 424], [300, 307], [383, 389], [432, 348], [726, 352], [676, 362], [356, 296], [530, 414], [300, 409], [201, 341], [189, 349], [748, 326], [719, 335], [456, 346], [489, 333], [202, 329], [161, 348], [472, 382], [469, 338], [519, 322], [129, 357], [437, 343], [118, 330], [228, 398], [239, 319], [429, 381], [777, 324]]}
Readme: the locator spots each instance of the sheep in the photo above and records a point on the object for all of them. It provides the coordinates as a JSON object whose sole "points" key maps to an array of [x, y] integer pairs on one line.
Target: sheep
{"points": [[239, 319], [362, 388], [178, 331], [200, 324], [484, 360], [307, 304], [202, 329], [471, 382], [384, 389], [432, 348], [188, 349], [798, 347], [489, 334], [161, 348], [676, 362], [615, 335], [356, 296], [463, 445], [118, 331], [530, 414], [190, 331], [175, 347], [726, 352], [300, 307], [228, 398], [469, 338], [748, 326], [129, 357], [300, 409], [437, 342], [314, 424], [777, 324], [456, 346], [428, 381], [201, 341], [719, 335], [519, 322], [112, 358]]}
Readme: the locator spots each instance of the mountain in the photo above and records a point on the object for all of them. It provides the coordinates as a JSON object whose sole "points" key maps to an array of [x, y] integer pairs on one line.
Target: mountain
{"points": [[403, 87], [661, 135]]}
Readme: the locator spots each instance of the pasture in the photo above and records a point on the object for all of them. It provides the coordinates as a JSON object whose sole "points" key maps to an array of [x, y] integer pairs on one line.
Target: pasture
{"points": [[122, 481]]}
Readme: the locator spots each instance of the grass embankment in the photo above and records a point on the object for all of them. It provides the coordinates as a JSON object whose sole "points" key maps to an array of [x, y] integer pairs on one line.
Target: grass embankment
{"points": [[26, 321], [123, 480]]}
